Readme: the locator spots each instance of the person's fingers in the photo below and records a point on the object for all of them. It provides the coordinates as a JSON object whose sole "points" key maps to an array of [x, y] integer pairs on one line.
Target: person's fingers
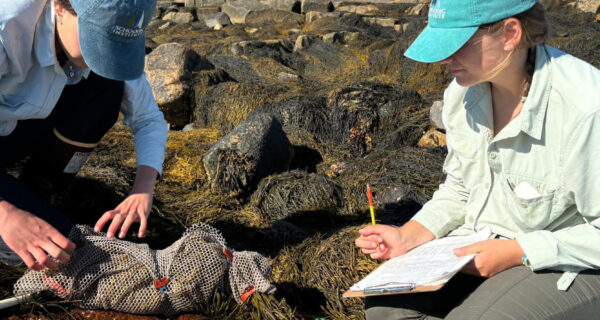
{"points": [[29, 261], [370, 230], [364, 242], [126, 224], [114, 225], [107, 216], [470, 249], [143, 225], [377, 255], [56, 252], [62, 241], [43, 258], [368, 251]]}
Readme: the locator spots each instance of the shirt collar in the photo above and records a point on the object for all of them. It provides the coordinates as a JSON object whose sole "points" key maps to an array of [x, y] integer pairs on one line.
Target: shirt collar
{"points": [[44, 42], [531, 118], [534, 109]]}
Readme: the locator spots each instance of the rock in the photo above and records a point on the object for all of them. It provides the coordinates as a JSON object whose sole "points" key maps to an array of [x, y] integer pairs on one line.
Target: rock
{"points": [[317, 5], [165, 26], [362, 10], [220, 19], [591, 6], [432, 138], [342, 37], [238, 10], [417, 10], [250, 30], [255, 149], [286, 5], [315, 15], [285, 76], [168, 69], [266, 17], [202, 3], [435, 114], [306, 113], [278, 50], [237, 68], [303, 42], [179, 17], [382, 21]]}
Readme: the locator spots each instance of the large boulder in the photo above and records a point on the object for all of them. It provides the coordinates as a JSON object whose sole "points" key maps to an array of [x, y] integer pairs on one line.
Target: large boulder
{"points": [[591, 6], [435, 114], [217, 19], [238, 10], [169, 70], [287, 5], [270, 16], [255, 149], [317, 5], [179, 17]]}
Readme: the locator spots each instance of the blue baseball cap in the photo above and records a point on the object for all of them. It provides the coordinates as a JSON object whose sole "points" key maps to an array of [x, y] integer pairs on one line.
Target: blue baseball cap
{"points": [[453, 22], [112, 36]]}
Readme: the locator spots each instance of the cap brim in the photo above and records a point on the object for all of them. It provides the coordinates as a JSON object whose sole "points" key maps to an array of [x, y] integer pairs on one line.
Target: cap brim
{"points": [[111, 59], [437, 44]]}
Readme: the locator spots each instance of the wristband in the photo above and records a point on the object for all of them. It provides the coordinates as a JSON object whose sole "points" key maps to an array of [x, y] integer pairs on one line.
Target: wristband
{"points": [[526, 261]]}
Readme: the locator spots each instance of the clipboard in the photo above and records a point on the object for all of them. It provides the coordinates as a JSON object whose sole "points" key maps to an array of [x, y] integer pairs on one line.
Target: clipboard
{"points": [[391, 291]]}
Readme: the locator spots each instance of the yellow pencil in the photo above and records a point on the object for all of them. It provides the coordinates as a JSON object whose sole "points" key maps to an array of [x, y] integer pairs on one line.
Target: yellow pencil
{"points": [[370, 196]]}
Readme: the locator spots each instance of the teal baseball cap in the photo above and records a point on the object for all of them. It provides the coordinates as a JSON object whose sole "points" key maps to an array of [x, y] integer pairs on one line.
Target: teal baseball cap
{"points": [[453, 22], [112, 35]]}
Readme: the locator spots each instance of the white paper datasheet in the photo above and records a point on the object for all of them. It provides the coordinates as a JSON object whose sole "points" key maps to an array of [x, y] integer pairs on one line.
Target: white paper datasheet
{"points": [[432, 263]]}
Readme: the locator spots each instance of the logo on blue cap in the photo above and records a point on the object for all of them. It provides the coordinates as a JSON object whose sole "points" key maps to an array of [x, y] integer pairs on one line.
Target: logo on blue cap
{"points": [[436, 11], [134, 27]]}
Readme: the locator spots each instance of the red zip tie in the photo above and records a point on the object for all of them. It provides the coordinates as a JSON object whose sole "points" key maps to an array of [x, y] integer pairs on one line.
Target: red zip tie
{"points": [[55, 286], [228, 254], [160, 283], [249, 291]]}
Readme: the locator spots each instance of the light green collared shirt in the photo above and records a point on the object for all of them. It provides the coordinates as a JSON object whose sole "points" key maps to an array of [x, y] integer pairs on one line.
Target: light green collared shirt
{"points": [[549, 147]]}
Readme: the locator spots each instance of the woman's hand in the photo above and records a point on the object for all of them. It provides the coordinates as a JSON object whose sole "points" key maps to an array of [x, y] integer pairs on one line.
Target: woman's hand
{"points": [[385, 242], [32, 238], [135, 208], [492, 257]]}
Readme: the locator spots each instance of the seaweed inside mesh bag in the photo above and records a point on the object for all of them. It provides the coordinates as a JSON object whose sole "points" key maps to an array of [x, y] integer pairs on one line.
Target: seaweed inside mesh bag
{"points": [[129, 277]]}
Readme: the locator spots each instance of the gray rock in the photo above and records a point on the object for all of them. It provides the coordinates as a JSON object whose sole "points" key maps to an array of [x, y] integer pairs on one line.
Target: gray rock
{"points": [[317, 5], [304, 42], [217, 19], [382, 21], [342, 37], [278, 50], [265, 17], [287, 5], [203, 3], [237, 10], [168, 70], [315, 15], [237, 68], [368, 9], [591, 6], [435, 114], [253, 150], [178, 17]]}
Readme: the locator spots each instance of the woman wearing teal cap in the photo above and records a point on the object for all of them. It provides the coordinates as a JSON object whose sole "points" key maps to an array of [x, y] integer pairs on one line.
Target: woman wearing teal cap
{"points": [[521, 118]]}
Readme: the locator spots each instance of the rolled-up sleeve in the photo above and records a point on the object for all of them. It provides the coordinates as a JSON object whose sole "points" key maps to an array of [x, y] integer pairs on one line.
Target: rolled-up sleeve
{"points": [[576, 245], [446, 210], [142, 115]]}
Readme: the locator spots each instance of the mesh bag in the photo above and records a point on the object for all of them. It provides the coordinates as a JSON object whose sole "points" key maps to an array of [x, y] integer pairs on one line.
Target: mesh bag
{"points": [[129, 277]]}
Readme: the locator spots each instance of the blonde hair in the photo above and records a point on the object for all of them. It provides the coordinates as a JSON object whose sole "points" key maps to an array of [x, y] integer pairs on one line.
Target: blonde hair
{"points": [[535, 30]]}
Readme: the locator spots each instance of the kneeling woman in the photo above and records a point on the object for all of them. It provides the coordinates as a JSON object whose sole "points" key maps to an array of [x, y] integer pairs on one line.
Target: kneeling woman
{"points": [[521, 118]]}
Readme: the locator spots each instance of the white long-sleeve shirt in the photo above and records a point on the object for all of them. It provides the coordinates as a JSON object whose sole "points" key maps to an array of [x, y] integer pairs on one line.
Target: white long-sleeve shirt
{"points": [[32, 80]]}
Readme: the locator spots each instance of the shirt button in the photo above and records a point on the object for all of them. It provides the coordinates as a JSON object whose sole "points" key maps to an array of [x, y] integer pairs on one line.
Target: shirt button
{"points": [[493, 155], [71, 74], [487, 185]]}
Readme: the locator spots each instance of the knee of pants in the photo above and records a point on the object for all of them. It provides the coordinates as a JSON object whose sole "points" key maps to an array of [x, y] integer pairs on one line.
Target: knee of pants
{"points": [[387, 308]]}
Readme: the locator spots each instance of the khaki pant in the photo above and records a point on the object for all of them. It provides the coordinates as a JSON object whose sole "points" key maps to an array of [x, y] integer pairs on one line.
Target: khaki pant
{"points": [[515, 294]]}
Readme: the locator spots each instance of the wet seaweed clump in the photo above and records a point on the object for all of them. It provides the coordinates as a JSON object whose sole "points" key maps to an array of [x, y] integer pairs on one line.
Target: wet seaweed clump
{"points": [[296, 192]]}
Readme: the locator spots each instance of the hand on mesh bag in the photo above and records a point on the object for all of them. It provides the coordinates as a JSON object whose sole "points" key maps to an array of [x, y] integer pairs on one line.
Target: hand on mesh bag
{"points": [[33, 239]]}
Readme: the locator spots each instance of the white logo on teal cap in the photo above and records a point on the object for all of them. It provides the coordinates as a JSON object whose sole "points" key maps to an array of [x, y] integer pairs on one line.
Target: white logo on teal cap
{"points": [[436, 11]]}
